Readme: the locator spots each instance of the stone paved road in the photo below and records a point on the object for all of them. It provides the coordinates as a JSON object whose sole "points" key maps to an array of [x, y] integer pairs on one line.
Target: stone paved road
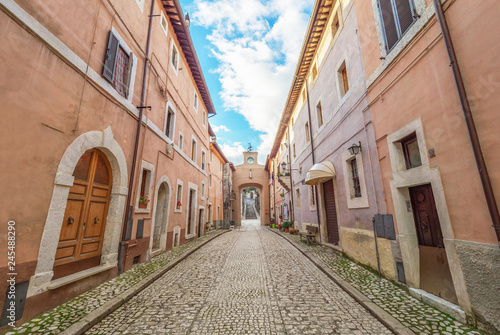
{"points": [[249, 281]]}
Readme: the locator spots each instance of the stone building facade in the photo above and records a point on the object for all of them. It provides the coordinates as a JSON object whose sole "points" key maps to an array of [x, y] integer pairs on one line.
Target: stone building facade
{"points": [[78, 78]]}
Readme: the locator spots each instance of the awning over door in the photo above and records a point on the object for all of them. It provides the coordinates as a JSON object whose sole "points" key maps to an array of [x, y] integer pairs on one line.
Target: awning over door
{"points": [[320, 172]]}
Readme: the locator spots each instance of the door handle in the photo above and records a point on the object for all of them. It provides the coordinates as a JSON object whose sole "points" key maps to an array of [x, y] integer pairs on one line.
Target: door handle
{"points": [[96, 220], [70, 220]]}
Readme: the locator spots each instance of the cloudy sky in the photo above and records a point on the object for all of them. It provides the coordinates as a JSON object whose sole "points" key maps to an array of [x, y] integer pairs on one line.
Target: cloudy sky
{"points": [[248, 50]]}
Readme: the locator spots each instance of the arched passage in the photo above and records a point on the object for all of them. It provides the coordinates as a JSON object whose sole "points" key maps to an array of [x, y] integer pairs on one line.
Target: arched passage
{"points": [[161, 211]]}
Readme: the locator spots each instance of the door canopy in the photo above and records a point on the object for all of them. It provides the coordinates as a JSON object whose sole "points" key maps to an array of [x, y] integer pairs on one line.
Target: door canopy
{"points": [[319, 173]]}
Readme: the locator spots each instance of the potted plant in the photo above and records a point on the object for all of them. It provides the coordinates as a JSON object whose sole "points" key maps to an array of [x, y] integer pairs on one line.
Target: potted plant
{"points": [[282, 195], [143, 201], [294, 231], [272, 222], [286, 225], [179, 204]]}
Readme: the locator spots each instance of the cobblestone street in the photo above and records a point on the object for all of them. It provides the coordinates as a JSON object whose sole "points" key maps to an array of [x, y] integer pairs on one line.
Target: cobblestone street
{"points": [[250, 281]]}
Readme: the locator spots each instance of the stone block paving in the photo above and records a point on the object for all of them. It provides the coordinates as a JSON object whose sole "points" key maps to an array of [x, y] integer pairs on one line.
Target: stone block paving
{"points": [[394, 299], [58, 319], [249, 281]]}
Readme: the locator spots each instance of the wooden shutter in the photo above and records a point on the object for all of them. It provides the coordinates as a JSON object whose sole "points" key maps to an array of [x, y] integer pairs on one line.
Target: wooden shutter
{"points": [[405, 14], [390, 28], [129, 75], [108, 70]]}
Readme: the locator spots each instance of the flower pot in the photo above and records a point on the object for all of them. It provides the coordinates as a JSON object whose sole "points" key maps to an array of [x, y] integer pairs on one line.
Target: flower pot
{"points": [[178, 206], [287, 230], [143, 205], [273, 225]]}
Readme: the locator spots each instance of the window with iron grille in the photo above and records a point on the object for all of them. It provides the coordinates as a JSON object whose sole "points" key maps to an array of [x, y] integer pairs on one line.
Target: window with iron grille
{"points": [[355, 179], [117, 65], [397, 16]]}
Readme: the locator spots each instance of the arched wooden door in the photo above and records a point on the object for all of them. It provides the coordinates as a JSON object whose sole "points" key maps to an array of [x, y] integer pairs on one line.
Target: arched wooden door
{"points": [[82, 231]]}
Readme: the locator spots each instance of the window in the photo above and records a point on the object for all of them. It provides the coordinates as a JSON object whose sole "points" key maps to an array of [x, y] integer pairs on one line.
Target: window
{"points": [[204, 119], [140, 3], [202, 190], [314, 72], [411, 151], [396, 16], [181, 141], [117, 65], [169, 123], [319, 114], [312, 196], [203, 160], [195, 102], [308, 137], [175, 57], [356, 187], [193, 150], [293, 122], [178, 197], [294, 153], [335, 24], [343, 80], [144, 192], [304, 95], [210, 180], [164, 24], [211, 156], [297, 197]]}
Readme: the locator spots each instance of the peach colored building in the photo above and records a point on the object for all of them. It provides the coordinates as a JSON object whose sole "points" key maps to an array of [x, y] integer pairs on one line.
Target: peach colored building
{"points": [[75, 82], [447, 245]]}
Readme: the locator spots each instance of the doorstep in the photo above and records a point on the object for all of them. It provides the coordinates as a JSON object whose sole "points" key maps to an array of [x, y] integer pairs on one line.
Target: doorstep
{"points": [[335, 247], [443, 305], [60, 282]]}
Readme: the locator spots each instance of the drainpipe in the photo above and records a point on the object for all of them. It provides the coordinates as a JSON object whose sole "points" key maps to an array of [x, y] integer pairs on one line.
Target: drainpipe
{"points": [[312, 155], [476, 146], [136, 147], [291, 180]]}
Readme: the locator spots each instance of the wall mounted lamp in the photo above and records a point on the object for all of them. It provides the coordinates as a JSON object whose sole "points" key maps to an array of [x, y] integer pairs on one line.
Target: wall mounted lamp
{"points": [[355, 149]]}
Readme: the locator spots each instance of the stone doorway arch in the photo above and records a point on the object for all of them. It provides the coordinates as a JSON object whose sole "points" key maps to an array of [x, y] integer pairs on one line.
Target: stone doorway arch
{"points": [[104, 141], [163, 192]]}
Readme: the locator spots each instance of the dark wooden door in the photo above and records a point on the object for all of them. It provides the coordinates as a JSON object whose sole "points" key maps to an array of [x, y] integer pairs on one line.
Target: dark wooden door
{"points": [[200, 222], [331, 212], [426, 217], [190, 212], [82, 230]]}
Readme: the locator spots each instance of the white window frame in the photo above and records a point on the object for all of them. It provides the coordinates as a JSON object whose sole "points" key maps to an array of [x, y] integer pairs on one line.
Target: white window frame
{"points": [[352, 201], [320, 126], [312, 195], [177, 198], [174, 66], [202, 192], [181, 140], [297, 196], [203, 159], [196, 101], [163, 18], [210, 180], [148, 189], [140, 3], [194, 208], [340, 80], [194, 150], [211, 156], [204, 119], [172, 126]]}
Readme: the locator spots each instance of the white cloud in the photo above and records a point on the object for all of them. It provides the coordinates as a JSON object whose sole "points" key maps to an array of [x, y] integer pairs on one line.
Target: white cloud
{"points": [[257, 43], [220, 128], [234, 153]]}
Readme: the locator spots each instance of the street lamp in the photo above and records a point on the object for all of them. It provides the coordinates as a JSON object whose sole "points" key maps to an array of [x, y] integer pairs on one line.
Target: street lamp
{"points": [[355, 149], [283, 167]]}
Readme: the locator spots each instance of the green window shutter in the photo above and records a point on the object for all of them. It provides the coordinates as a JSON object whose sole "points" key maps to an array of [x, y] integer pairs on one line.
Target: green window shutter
{"points": [[108, 70]]}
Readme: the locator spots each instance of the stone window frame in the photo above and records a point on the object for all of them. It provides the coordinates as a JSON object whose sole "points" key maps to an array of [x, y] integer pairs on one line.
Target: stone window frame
{"points": [[170, 106], [204, 120], [163, 18], [174, 66], [192, 187], [203, 164], [202, 191], [181, 141], [177, 197], [148, 188], [352, 201], [140, 3], [297, 197], [194, 150], [312, 197], [210, 180], [196, 101]]}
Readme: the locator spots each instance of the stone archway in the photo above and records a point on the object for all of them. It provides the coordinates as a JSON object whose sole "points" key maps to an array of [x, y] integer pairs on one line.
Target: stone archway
{"points": [[104, 141], [159, 226]]}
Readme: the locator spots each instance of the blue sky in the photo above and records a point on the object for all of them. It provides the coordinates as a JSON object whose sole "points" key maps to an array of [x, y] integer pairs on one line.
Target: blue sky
{"points": [[248, 50]]}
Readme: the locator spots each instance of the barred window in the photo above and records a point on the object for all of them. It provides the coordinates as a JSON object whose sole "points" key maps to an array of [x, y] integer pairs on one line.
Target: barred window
{"points": [[397, 16]]}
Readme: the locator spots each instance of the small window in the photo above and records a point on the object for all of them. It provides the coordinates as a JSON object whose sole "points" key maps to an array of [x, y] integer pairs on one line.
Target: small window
{"points": [[117, 65], [294, 152], [343, 80], [411, 151], [203, 160], [181, 141], [178, 197], [204, 119], [175, 57], [314, 72], [211, 156], [335, 24], [144, 196], [169, 124], [193, 150], [297, 196], [210, 180], [312, 196], [397, 16], [308, 137], [140, 3], [356, 187], [293, 122], [202, 190], [163, 22], [319, 114], [195, 102], [304, 95]]}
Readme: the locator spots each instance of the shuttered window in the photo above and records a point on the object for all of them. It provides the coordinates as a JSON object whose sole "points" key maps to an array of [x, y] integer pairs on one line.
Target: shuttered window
{"points": [[397, 16], [117, 65]]}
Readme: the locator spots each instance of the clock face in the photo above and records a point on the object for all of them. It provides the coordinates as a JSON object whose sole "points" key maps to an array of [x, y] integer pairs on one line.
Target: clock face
{"points": [[250, 160]]}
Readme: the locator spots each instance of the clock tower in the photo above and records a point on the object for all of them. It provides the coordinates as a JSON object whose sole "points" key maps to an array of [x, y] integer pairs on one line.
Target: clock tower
{"points": [[250, 158]]}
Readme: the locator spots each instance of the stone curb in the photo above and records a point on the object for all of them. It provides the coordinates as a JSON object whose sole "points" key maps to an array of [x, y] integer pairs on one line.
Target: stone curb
{"points": [[385, 318], [109, 307]]}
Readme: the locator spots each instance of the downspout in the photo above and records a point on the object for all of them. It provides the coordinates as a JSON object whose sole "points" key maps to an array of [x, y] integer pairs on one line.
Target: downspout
{"points": [[291, 180], [476, 146], [136, 147], [312, 156]]}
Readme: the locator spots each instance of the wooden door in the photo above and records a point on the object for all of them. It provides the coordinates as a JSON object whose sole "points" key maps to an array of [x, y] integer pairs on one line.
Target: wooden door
{"points": [[331, 212], [200, 223], [82, 230], [190, 212], [426, 217]]}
